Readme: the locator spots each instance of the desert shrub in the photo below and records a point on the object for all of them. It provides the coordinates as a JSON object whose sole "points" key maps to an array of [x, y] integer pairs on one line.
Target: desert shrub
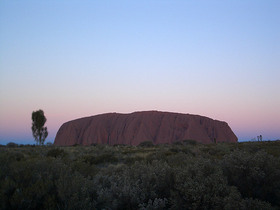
{"points": [[180, 148], [12, 145], [162, 155], [146, 144], [43, 183], [252, 148], [175, 149], [29, 185], [127, 187], [30, 145], [235, 201], [56, 153], [21, 145], [256, 175], [200, 185], [189, 142], [157, 179], [5, 163], [10, 156], [101, 146], [271, 147], [179, 160], [132, 160], [75, 191], [250, 203], [18, 156], [157, 203], [188, 151], [49, 144], [83, 168], [119, 145], [215, 151], [139, 178], [177, 143], [99, 159]]}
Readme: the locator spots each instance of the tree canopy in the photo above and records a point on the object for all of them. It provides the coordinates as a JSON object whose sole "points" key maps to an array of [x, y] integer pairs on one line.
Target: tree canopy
{"points": [[40, 132]]}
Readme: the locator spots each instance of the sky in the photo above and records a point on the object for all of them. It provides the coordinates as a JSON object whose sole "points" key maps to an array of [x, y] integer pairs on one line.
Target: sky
{"points": [[72, 59]]}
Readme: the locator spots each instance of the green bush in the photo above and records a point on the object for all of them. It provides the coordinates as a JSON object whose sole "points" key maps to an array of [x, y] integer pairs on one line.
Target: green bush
{"points": [[146, 144], [49, 144], [12, 145], [177, 143], [216, 176], [104, 158], [56, 152], [200, 185], [131, 187], [256, 175], [189, 142], [29, 185]]}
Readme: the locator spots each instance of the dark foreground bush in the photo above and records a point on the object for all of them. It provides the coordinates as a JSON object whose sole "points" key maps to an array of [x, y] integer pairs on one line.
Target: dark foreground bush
{"points": [[98, 159], [146, 144], [256, 175], [179, 143], [12, 145], [106, 178], [49, 144], [56, 152], [189, 141]]}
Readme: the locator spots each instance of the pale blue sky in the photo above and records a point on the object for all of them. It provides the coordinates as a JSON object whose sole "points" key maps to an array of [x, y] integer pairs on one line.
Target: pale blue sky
{"points": [[72, 59]]}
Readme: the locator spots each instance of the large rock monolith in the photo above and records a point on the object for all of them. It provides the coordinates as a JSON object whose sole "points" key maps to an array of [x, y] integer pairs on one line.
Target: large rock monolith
{"points": [[134, 128]]}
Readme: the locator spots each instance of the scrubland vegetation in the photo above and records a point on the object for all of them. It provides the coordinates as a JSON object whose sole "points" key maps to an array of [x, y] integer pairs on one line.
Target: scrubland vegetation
{"points": [[184, 175]]}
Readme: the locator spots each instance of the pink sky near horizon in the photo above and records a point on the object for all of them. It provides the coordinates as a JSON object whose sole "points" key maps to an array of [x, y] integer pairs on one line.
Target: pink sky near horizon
{"points": [[242, 120], [210, 58]]}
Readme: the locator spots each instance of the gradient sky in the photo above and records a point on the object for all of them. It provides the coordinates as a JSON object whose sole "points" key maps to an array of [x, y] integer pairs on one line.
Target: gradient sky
{"points": [[72, 59]]}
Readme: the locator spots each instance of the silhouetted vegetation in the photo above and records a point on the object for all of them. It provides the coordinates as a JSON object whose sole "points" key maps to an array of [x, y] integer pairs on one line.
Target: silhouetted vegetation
{"points": [[39, 132], [146, 144], [12, 144], [184, 175], [56, 152]]}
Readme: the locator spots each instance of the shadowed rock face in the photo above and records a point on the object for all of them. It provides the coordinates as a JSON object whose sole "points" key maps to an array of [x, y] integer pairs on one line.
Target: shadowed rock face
{"points": [[134, 128]]}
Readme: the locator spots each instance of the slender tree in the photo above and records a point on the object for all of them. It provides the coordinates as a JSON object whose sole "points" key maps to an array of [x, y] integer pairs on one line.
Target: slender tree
{"points": [[40, 132]]}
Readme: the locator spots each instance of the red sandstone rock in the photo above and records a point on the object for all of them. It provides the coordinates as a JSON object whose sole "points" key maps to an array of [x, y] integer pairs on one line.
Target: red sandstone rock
{"points": [[158, 127]]}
